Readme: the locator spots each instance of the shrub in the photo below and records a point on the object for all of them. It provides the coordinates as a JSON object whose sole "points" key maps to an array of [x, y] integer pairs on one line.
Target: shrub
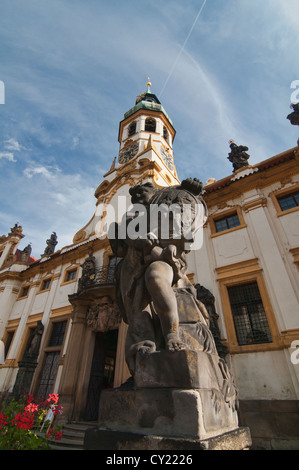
{"points": [[27, 424]]}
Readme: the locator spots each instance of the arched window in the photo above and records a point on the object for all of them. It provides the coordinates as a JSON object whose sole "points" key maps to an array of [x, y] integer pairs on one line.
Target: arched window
{"points": [[132, 128], [150, 125], [165, 133]]}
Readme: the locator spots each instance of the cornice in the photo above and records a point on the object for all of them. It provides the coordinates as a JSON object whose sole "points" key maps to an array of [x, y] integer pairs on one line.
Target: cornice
{"points": [[267, 172]]}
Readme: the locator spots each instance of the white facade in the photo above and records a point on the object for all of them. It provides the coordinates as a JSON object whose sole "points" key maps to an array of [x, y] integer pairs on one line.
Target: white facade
{"points": [[262, 249]]}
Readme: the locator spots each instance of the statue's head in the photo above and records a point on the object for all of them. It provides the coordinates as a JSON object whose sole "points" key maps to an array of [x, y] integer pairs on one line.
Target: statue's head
{"points": [[142, 193]]}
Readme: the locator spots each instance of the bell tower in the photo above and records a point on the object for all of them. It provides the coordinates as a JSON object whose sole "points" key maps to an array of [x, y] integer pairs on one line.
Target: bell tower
{"points": [[147, 132]]}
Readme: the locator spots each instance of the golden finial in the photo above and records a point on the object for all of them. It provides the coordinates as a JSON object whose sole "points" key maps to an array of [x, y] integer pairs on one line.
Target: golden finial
{"points": [[148, 85]]}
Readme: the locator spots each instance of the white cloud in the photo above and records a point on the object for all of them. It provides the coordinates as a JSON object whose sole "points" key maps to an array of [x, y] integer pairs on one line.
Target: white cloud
{"points": [[10, 147], [8, 155], [13, 144], [47, 172]]}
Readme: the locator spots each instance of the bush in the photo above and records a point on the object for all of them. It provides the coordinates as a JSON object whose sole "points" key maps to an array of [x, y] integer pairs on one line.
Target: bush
{"points": [[26, 424]]}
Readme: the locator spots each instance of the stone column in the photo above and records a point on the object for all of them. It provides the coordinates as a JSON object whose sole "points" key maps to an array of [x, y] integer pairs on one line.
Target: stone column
{"points": [[72, 360]]}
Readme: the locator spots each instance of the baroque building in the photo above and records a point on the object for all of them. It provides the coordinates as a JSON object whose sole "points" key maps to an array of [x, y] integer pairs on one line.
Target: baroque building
{"points": [[60, 326]]}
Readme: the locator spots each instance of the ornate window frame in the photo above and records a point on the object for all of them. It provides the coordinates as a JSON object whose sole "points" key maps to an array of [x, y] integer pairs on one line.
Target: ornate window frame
{"points": [[239, 274], [72, 268], [221, 215], [45, 279], [275, 195]]}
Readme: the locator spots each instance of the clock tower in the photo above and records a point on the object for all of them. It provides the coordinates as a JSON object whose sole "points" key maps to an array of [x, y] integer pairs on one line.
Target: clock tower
{"points": [[147, 132]]}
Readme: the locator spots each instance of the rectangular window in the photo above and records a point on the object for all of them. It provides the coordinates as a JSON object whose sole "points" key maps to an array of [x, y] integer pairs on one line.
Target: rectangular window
{"points": [[289, 201], [71, 275], [227, 222], [51, 359], [24, 291], [46, 284], [249, 316], [57, 334], [8, 341]]}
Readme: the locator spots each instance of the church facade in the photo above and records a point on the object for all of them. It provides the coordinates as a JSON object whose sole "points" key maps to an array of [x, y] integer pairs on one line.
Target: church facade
{"points": [[60, 326]]}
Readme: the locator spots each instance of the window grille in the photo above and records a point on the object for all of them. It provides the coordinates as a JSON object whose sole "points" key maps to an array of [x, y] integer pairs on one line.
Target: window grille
{"points": [[228, 222], [249, 316], [57, 334], [289, 201], [50, 365]]}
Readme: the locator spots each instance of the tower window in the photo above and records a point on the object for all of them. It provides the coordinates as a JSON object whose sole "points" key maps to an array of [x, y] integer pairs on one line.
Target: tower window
{"points": [[165, 134], [132, 129], [150, 125]]}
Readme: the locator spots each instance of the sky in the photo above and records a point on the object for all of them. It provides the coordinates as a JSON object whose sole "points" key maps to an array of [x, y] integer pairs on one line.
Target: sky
{"points": [[69, 70]]}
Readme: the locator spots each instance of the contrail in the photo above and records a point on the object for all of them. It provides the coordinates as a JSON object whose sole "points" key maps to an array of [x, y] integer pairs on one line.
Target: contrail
{"points": [[183, 47]]}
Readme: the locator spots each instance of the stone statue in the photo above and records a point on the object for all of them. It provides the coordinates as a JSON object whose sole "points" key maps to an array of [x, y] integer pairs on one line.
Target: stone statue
{"points": [[25, 254], [16, 230], [238, 156], [180, 387], [208, 299], [294, 116], [34, 346], [152, 285], [88, 272], [51, 243]]}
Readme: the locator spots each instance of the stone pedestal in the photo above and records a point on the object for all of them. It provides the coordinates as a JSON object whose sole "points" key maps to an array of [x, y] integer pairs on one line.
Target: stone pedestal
{"points": [[179, 399]]}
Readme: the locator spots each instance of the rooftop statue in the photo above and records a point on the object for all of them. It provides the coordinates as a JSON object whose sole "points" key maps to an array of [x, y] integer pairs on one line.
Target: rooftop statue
{"points": [[238, 156], [294, 116], [51, 243]]}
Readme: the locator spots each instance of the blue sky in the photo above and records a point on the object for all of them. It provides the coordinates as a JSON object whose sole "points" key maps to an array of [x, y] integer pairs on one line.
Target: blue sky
{"points": [[72, 68]]}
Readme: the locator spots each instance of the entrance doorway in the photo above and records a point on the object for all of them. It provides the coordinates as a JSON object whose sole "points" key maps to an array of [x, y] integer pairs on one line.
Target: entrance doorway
{"points": [[102, 371]]}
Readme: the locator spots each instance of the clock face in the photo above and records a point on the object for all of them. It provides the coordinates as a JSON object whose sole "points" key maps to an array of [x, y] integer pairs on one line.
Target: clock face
{"points": [[167, 158], [127, 153]]}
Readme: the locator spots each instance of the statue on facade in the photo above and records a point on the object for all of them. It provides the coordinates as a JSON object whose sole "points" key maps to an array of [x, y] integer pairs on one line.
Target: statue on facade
{"points": [[238, 156], [208, 299], [103, 315], [33, 348], [25, 254], [88, 272], [51, 244], [16, 229]]}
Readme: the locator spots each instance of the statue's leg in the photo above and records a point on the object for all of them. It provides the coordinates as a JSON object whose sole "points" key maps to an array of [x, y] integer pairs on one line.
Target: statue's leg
{"points": [[141, 334], [158, 279]]}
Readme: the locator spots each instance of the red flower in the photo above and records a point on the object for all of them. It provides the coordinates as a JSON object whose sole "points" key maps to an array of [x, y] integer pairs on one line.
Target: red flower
{"points": [[56, 435], [31, 408], [23, 421], [57, 409], [3, 420], [53, 397], [30, 398]]}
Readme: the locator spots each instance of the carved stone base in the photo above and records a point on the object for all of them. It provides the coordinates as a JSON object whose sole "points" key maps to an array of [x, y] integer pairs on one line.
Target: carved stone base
{"points": [[188, 414], [101, 439]]}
